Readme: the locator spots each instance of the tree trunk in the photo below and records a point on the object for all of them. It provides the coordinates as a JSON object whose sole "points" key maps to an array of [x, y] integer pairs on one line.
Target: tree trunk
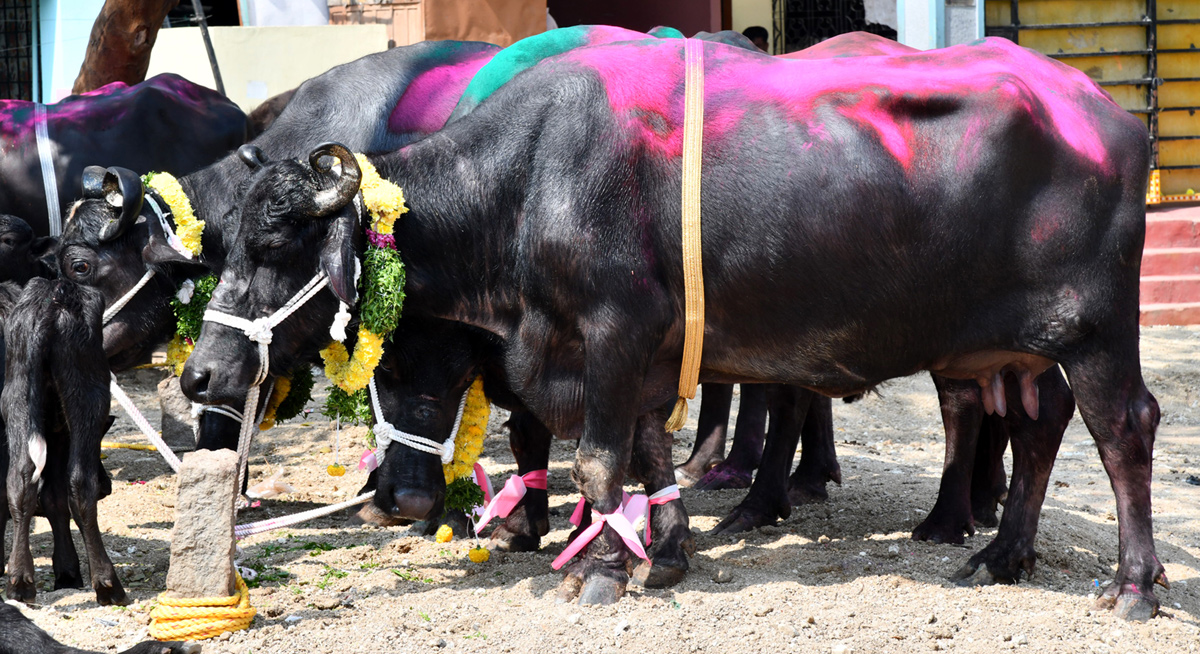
{"points": [[120, 44]]}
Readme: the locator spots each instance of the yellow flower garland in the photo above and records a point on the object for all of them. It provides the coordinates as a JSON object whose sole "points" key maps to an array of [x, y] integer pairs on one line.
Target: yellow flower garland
{"points": [[382, 198], [178, 351], [283, 386], [385, 201], [352, 374], [188, 228], [468, 442]]}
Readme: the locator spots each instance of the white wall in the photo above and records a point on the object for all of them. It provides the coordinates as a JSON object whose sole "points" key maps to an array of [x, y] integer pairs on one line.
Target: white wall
{"points": [[747, 13], [259, 62]]}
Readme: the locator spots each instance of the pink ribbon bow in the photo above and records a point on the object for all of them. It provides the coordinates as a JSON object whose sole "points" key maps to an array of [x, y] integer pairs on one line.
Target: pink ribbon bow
{"points": [[661, 497], [620, 520], [577, 515], [503, 503], [368, 461], [485, 484]]}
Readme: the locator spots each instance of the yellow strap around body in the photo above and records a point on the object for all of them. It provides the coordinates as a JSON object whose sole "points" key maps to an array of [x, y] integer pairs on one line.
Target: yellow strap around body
{"points": [[693, 271]]}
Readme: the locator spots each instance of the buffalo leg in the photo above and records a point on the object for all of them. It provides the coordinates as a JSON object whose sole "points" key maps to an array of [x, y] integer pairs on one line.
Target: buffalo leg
{"points": [[522, 531], [989, 483], [818, 459], [57, 509], [1034, 444], [22, 503], [671, 534], [768, 500], [962, 417], [737, 470], [1122, 416], [711, 428]]}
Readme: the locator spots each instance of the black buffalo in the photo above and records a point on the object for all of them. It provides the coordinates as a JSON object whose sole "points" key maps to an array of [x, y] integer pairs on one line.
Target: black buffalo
{"points": [[164, 123], [977, 212], [23, 255], [18, 635]]}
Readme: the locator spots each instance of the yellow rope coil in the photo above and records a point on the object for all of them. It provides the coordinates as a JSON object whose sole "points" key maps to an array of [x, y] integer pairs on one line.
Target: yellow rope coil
{"points": [[106, 445], [178, 618], [693, 271]]}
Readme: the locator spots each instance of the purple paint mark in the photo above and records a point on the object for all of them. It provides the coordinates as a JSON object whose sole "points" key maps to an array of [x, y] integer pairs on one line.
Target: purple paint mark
{"points": [[429, 99], [1013, 79]]}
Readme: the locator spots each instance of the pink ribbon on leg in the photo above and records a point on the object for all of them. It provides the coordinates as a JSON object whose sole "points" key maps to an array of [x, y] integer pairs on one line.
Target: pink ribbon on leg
{"points": [[577, 515], [658, 499], [502, 504], [485, 484], [620, 520]]}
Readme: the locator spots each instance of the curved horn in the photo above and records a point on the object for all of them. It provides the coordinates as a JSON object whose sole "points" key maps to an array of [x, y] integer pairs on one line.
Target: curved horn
{"points": [[252, 156], [93, 182], [330, 200], [121, 188]]}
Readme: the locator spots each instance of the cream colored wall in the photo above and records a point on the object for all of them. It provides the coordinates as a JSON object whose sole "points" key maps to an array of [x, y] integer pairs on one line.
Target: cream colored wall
{"points": [[259, 62], [753, 12]]}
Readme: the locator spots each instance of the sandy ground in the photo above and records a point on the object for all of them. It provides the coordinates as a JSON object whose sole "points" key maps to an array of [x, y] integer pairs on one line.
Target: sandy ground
{"points": [[838, 577]]}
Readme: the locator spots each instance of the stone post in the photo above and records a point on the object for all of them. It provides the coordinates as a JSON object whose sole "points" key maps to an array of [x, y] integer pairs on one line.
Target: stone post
{"points": [[177, 421], [202, 542]]}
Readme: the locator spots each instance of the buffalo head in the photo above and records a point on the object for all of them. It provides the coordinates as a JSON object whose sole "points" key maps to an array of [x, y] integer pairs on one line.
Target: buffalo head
{"points": [[297, 218], [111, 238], [23, 256]]}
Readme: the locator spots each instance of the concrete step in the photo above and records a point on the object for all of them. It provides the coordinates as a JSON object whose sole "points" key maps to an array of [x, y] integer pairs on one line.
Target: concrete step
{"points": [[1166, 289], [1182, 313], [1172, 231], [1170, 261]]}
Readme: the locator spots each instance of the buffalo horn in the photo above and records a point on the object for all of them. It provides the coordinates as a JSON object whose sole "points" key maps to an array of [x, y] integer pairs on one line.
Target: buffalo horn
{"points": [[121, 188], [252, 156], [330, 200]]}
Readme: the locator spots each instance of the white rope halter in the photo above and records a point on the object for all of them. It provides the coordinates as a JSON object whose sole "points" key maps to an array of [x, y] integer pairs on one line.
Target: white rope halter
{"points": [[173, 240], [386, 433]]}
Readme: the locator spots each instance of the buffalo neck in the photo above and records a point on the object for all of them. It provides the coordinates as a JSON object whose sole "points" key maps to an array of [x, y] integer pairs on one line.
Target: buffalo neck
{"points": [[457, 238]]}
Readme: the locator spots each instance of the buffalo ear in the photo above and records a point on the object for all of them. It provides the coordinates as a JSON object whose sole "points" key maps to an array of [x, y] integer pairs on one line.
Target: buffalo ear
{"points": [[158, 249], [121, 188], [42, 246], [339, 253]]}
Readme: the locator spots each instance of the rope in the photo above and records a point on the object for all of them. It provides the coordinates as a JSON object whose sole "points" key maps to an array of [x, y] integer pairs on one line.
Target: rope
{"points": [[143, 424], [693, 271], [106, 445], [386, 433], [41, 131], [178, 618], [115, 307], [249, 529]]}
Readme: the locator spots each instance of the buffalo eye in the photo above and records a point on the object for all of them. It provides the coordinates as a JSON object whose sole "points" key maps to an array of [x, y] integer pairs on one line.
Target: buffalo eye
{"points": [[277, 206], [7, 240], [80, 267]]}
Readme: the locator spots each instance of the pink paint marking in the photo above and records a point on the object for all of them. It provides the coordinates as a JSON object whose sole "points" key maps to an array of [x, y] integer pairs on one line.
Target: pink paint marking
{"points": [[876, 96], [851, 44], [431, 97]]}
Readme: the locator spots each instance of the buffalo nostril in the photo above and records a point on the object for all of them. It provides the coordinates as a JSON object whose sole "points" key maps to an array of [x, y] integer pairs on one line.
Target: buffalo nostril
{"points": [[415, 505], [194, 383]]}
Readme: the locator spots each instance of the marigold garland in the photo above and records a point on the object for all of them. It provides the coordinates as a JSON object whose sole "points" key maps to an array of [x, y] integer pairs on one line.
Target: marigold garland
{"points": [[178, 351], [468, 442], [352, 373], [382, 198], [188, 227], [283, 386]]}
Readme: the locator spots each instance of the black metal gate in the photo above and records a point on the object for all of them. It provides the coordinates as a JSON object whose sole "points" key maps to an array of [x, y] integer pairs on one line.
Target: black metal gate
{"points": [[18, 36], [799, 24], [1143, 52]]}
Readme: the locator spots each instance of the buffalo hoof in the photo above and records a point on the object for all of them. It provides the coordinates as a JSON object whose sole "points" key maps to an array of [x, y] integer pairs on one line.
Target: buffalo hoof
{"points": [[111, 593], [986, 514], [747, 516], [940, 527], [1132, 601], [568, 589], [725, 477], [508, 541], [21, 589], [690, 472], [372, 515], [659, 575], [801, 494], [71, 579], [601, 590], [996, 564]]}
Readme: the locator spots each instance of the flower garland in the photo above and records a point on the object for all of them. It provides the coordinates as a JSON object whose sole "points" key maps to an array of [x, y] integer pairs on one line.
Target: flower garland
{"points": [[383, 284], [188, 227], [462, 493]]}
